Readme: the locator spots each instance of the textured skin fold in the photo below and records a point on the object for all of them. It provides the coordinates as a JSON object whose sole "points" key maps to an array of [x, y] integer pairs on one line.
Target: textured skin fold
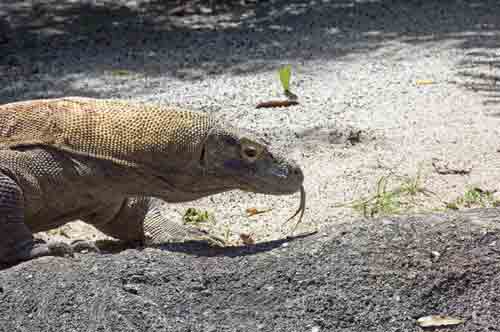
{"points": [[128, 133]]}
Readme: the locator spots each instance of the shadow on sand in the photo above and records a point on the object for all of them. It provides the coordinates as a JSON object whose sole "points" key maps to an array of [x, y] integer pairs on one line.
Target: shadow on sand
{"points": [[56, 43], [201, 248]]}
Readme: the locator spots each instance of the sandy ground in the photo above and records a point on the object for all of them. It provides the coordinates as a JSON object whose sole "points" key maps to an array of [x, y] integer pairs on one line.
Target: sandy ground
{"points": [[358, 66]]}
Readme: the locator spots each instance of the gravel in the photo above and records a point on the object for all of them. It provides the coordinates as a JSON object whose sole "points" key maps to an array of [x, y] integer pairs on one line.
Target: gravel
{"points": [[375, 276]]}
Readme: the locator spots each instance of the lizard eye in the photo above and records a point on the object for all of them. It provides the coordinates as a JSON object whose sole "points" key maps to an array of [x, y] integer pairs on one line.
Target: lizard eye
{"points": [[250, 152]]}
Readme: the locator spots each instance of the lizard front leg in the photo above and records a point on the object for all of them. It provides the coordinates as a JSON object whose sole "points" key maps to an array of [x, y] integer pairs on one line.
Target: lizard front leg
{"points": [[141, 219], [17, 242]]}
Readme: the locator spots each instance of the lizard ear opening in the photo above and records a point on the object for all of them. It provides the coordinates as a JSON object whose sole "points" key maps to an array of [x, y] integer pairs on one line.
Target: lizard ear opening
{"points": [[203, 157]]}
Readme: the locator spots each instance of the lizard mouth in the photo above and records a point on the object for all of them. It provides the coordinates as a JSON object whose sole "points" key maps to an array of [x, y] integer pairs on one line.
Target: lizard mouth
{"points": [[258, 189], [272, 187]]}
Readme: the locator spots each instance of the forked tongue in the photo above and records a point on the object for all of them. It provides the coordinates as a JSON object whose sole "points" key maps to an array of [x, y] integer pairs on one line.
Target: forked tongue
{"points": [[301, 209]]}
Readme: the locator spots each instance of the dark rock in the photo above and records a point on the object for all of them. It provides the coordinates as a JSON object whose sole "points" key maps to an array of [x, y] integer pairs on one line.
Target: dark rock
{"points": [[374, 275]]}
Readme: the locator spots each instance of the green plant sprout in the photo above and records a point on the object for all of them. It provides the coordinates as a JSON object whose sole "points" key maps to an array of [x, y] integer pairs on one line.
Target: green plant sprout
{"points": [[285, 74]]}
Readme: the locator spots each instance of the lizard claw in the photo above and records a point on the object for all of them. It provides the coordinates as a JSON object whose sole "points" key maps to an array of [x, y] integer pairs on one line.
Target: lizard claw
{"points": [[201, 235], [63, 249], [158, 229], [196, 234], [83, 246], [36, 249], [60, 249]]}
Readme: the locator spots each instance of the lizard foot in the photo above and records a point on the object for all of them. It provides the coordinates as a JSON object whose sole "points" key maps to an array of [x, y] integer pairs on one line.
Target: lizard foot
{"points": [[201, 235], [158, 229], [182, 233], [83, 246], [35, 249], [60, 249]]}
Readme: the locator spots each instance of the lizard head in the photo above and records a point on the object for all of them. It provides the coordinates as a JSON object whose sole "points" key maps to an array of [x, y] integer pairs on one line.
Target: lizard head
{"points": [[241, 158]]}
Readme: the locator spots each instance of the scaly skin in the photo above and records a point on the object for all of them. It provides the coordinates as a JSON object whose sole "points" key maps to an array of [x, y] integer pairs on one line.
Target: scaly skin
{"points": [[103, 161]]}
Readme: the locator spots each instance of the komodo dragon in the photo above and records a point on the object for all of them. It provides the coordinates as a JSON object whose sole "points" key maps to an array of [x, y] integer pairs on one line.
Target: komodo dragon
{"points": [[103, 161]]}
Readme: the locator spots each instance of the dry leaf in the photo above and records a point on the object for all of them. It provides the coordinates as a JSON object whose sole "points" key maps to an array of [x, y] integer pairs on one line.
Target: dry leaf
{"points": [[277, 103], [432, 321], [254, 211], [247, 239], [424, 82]]}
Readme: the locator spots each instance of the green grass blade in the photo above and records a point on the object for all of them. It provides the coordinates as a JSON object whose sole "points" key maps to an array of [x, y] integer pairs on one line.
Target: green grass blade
{"points": [[285, 73]]}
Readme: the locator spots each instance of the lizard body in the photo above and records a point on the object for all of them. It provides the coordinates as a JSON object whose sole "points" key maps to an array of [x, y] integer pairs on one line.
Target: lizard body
{"points": [[111, 163]]}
